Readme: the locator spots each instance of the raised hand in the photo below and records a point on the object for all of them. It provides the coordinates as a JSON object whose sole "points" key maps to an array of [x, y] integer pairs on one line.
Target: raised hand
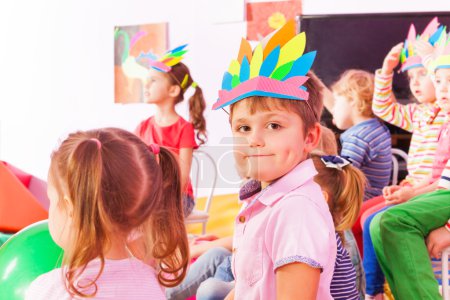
{"points": [[392, 59]]}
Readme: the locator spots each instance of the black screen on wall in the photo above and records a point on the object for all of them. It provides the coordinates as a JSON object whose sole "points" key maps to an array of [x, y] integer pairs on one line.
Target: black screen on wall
{"points": [[361, 41]]}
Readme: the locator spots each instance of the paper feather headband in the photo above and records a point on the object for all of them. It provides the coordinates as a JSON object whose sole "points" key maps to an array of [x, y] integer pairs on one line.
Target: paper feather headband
{"points": [[275, 68], [408, 58]]}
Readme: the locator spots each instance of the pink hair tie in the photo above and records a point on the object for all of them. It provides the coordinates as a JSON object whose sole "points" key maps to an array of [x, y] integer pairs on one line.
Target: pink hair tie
{"points": [[155, 148], [99, 144]]}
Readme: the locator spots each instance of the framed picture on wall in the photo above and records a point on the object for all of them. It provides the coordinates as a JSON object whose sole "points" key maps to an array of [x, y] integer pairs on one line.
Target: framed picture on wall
{"points": [[129, 42]]}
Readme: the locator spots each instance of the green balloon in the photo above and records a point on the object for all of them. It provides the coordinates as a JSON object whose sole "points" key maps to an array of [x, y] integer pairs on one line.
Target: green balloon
{"points": [[26, 255]]}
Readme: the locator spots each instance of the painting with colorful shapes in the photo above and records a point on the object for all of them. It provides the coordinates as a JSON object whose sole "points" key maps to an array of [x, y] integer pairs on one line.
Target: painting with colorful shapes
{"points": [[129, 43]]}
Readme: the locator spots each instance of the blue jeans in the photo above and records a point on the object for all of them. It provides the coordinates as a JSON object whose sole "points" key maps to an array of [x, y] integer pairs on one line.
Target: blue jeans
{"points": [[374, 274], [214, 289], [203, 268]]}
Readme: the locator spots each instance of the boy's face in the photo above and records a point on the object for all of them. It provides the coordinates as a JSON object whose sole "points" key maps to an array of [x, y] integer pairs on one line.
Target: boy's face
{"points": [[342, 112], [268, 144], [421, 85], [442, 83]]}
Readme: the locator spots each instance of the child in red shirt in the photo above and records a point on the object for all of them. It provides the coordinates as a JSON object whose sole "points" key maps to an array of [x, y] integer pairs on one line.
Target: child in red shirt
{"points": [[165, 85]]}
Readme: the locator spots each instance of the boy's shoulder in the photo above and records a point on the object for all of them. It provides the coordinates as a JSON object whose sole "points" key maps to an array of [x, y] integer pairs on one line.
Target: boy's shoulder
{"points": [[307, 195], [367, 130]]}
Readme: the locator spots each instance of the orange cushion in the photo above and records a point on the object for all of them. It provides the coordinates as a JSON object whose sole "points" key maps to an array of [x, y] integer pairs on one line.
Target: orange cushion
{"points": [[21, 175], [18, 207]]}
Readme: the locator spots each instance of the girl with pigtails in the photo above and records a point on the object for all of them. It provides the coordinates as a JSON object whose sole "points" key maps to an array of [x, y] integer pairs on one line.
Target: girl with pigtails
{"points": [[115, 211], [167, 81]]}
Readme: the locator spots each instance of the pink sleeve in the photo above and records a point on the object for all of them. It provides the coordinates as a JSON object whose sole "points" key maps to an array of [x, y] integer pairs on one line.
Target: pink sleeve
{"points": [[298, 231], [187, 138]]}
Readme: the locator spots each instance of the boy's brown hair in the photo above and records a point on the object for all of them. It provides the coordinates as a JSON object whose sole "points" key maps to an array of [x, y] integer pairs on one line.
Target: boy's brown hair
{"points": [[309, 112], [356, 85]]}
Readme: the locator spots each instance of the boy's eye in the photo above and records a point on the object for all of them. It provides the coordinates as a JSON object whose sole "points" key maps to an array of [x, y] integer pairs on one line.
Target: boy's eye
{"points": [[243, 128], [273, 126]]}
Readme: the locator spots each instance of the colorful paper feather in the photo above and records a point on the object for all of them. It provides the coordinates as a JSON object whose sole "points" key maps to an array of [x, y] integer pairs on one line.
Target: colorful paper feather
{"points": [[408, 58], [275, 68], [165, 62]]}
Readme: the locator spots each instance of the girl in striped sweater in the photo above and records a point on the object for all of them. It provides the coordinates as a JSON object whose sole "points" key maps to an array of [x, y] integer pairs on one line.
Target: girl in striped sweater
{"points": [[426, 215]]}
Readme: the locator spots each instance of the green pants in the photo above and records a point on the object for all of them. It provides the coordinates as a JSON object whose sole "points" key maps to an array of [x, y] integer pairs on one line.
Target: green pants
{"points": [[398, 235]]}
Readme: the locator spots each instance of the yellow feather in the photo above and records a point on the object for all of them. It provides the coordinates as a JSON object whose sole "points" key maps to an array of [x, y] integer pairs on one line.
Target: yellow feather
{"points": [[234, 67], [257, 60], [292, 50], [174, 61]]}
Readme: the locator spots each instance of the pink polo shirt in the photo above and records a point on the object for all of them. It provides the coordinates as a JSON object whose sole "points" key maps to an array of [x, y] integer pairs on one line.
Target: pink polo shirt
{"points": [[287, 222]]}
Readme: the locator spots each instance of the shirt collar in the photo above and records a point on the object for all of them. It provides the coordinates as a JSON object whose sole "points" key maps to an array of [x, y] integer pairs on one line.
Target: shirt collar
{"points": [[298, 176]]}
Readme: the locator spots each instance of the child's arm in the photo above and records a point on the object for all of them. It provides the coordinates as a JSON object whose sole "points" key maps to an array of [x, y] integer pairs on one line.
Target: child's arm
{"points": [[438, 240], [297, 281], [356, 149], [185, 165], [200, 248], [384, 104], [408, 192]]}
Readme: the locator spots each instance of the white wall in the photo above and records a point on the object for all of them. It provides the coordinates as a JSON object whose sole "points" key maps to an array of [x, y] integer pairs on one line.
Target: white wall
{"points": [[56, 64], [56, 68]]}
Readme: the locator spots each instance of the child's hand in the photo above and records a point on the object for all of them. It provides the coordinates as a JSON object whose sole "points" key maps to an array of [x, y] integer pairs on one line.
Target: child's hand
{"points": [[388, 190], [400, 196], [437, 241], [392, 59], [206, 237], [423, 48]]}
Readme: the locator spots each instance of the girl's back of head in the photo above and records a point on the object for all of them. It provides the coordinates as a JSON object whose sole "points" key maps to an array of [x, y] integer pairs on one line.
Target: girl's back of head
{"points": [[181, 76], [344, 188], [115, 184]]}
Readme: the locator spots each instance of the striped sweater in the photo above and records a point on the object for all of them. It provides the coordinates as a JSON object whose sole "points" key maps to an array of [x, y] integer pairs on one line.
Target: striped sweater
{"points": [[368, 144], [419, 119]]}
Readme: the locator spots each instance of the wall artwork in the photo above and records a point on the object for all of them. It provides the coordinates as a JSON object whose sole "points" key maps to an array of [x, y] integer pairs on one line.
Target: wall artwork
{"points": [[129, 42], [265, 17]]}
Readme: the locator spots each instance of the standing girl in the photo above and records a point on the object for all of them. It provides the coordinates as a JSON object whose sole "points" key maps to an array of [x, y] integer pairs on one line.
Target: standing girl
{"points": [[108, 214], [167, 81]]}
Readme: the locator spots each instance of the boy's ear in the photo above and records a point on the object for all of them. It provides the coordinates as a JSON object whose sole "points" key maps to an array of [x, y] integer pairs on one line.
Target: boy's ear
{"points": [[313, 137], [174, 90]]}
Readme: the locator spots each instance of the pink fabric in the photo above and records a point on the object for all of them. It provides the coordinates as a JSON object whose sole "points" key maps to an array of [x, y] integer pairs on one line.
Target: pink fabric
{"points": [[287, 222], [121, 279], [176, 136], [442, 152]]}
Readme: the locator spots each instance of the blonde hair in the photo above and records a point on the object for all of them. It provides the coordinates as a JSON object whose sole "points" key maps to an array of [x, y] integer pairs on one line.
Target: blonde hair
{"points": [[309, 112], [116, 186], [357, 85], [327, 143], [345, 189]]}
